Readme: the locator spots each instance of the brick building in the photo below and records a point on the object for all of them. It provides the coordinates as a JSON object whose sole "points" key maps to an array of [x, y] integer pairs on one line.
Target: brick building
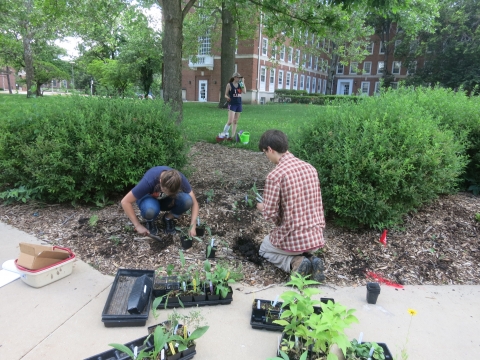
{"points": [[4, 80], [201, 80]]}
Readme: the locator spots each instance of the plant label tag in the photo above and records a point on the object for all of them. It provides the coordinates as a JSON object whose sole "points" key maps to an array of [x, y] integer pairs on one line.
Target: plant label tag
{"points": [[258, 304], [135, 351], [172, 349], [162, 355], [360, 338], [275, 302]]}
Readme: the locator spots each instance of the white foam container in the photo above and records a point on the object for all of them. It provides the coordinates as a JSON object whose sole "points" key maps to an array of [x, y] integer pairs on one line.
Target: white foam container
{"points": [[47, 275]]}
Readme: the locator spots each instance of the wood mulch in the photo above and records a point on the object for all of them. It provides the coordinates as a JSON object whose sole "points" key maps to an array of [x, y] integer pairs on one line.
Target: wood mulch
{"points": [[439, 244]]}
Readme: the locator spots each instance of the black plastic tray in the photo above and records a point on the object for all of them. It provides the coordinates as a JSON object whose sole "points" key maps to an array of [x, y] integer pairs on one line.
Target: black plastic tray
{"points": [[386, 351], [207, 302], [258, 317], [115, 312]]}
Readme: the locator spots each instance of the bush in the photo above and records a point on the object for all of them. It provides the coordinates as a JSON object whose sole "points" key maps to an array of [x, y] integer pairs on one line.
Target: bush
{"points": [[381, 158], [461, 113], [86, 149]]}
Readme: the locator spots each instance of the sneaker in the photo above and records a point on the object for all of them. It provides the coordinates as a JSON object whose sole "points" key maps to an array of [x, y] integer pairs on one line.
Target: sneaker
{"points": [[152, 227], [317, 272], [169, 225], [301, 265]]}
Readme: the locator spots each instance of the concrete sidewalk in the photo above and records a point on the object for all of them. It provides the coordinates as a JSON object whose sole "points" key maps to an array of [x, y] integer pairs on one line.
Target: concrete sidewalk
{"points": [[63, 320]]}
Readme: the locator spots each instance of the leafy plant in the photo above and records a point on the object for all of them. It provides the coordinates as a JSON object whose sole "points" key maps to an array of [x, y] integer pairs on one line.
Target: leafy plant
{"points": [[221, 277], [115, 239], [19, 194], [185, 233], [93, 220], [361, 351], [477, 217], [192, 328], [210, 194]]}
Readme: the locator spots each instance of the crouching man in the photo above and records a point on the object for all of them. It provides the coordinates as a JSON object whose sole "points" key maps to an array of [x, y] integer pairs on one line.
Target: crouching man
{"points": [[293, 202], [161, 189]]}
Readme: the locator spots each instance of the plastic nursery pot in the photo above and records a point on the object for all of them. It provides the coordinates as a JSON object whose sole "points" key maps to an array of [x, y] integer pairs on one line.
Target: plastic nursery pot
{"points": [[200, 231], [200, 297], [186, 243], [212, 297], [212, 252], [373, 290], [189, 350], [229, 294]]}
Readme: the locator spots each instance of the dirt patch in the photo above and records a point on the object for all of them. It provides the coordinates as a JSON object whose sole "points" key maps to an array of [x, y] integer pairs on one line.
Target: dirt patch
{"points": [[439, 244]]}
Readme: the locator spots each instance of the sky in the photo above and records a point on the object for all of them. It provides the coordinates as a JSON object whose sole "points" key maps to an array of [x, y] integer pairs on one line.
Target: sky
{"points": [[154, 15]]}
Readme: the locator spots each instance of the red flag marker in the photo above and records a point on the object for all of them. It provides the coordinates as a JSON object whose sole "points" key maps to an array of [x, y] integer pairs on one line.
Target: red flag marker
{"points": [[383, 280], [383, 238]]}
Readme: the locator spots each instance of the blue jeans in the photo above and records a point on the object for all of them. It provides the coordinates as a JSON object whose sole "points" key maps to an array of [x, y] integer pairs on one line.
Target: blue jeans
{"points": [[151, 207]]}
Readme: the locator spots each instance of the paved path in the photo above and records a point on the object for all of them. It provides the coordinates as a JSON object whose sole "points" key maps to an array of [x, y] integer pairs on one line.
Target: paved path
{"points": [[63, 320]]}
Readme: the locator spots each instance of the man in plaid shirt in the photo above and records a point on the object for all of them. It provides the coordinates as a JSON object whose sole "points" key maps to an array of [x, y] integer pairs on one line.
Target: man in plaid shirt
{"points": [[293, 202]]}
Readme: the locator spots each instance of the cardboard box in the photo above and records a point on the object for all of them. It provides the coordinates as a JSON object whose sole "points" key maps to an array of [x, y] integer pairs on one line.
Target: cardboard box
{"points": [[34, 257]]}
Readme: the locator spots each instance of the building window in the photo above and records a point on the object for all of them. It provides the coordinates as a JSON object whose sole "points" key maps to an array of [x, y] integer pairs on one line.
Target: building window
{"points": [[280, 79], [273, 55], [282, 53], [272, 79], [396, 67], [304, 63], [297, 58], [340, 68], [353, 67], [205, 46], [302, 82], [382, 48], [324, 90], [365, 88], [367, 67], [319, 86], [307, 85], [316, 62], [380, 68], [264, 47], [295, 81], [394, 85], [326, 66], [54, 82], [377, 88], [314, 85], [370, 48], [311, 62], [290, 54], [287, 80], [262, 74], [412, 67]]}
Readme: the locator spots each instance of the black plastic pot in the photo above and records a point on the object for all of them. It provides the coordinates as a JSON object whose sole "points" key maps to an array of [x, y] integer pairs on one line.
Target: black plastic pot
{"points": [[186, 242], [212, 297], [164, 284], [115, 354], [200, 231], [189, 351], [373, 290], [198, 298], [229, 294], [212, 252]]}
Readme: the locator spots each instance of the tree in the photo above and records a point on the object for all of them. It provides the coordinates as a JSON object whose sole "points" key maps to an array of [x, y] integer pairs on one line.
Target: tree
{"points": [[452, 51]]}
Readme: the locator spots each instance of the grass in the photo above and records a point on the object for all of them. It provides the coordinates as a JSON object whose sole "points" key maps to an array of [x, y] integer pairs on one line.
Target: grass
{"points": [[203, 121]]}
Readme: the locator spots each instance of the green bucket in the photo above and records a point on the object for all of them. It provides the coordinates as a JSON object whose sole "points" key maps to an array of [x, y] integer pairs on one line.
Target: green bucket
{"points": [[245, 137]]}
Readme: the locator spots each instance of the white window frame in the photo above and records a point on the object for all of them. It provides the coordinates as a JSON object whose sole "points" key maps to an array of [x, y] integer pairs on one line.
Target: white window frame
{"points": [[362, 88], [290, 54], [414, 68], [271, 80], [265, 47], [369, 67], [394, 85], [302, 82], [319, 86], [380, 72], [263, 78], [282, 53], [295, 81], [377, 88], [307, 84], [396, 65], [288, 80], [205, 46], [340, 68], [324, 90], [381, 49], [314, 84], [370, 47], [297, 58], [304, 60], [280, 79], [353, 67], [311, 62], [316, 63]]}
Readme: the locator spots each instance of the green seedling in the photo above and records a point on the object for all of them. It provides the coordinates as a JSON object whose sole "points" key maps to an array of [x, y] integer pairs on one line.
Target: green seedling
{"points": [[93, 220], [115, 239], [210, 194], [477, 217]]}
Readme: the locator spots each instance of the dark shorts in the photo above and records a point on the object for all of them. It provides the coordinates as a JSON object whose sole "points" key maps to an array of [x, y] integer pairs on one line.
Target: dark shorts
{"points": [[235, 108]]}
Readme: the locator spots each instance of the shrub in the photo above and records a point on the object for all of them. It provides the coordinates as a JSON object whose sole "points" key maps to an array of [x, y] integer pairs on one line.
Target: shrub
{"points": [[86, 149], [461, 113], [381, 158]]}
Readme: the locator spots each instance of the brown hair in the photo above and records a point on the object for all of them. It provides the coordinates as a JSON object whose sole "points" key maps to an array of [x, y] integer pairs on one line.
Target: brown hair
{"points": [[231, 80], [276, 139], [171, 181]]}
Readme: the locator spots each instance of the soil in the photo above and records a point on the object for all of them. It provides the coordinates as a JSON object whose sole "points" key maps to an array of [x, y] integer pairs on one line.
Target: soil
{"points": [[439, 244]]}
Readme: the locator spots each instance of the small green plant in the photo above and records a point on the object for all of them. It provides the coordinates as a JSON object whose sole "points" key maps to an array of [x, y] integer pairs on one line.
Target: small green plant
{"points": [[236, 210], [185, 233], [221, 277], [191, 329], [19, 194], [93, 220], [210, 194], [477, 217], [115, 239], [361, 351], [403, 351]]}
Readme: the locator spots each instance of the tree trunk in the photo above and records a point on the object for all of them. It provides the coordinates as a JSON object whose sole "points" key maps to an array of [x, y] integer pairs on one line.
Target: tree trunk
{"points": [[229, 34], [172, 54], [8, 81], [332, 70], [27, 49]]}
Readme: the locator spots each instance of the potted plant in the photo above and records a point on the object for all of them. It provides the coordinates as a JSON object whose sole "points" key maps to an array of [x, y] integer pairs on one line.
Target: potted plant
{"points": [[364, 351], [186, 334], [220, 278], [185, 239]]}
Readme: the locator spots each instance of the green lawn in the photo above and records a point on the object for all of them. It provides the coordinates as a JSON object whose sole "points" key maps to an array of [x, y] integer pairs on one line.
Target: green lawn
{"points": [[203, 121]]}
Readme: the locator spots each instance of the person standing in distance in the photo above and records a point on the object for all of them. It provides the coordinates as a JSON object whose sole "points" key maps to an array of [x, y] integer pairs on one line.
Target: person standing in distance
{"points": [[161, 189], [233, 94], [292, 200]]}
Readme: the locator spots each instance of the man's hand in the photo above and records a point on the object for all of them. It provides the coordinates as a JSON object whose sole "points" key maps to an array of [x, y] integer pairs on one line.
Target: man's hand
{"points": [[260, 207], [142, 230]]}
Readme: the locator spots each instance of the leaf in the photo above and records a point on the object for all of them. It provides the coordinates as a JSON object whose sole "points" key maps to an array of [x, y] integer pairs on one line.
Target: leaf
{"points": [[122, 348]]}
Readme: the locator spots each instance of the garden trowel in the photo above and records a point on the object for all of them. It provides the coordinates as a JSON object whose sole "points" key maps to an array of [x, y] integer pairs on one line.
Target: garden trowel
{"points": [[154, 237]]}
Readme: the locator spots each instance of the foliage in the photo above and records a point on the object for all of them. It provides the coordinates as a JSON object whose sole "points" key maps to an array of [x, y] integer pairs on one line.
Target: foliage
{"points": [[93, 220], [477, 217], [361, 351], [381, 158], [192, 324], [19, 194], [85, 149], [221, 277]]}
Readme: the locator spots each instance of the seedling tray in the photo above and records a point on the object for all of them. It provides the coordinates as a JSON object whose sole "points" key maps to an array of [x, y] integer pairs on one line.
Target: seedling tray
{"points": [[114, 354], [258, 319], [115, 312], [207, 302]]}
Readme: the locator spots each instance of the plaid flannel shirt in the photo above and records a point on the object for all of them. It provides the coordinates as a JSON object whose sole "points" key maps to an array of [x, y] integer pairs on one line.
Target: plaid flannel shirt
{"points": [[293, 201]]}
